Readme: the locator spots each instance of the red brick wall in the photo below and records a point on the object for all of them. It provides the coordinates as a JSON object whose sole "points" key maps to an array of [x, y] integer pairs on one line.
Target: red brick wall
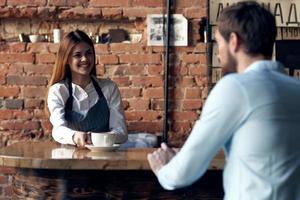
{"points": [[137, 68]]}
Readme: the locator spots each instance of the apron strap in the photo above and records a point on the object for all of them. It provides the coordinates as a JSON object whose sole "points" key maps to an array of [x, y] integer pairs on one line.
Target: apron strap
{"points": [[69, 103], [97, 87]]}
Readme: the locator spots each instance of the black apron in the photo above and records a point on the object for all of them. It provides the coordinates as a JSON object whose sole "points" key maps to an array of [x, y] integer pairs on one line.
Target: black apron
{"points": [[97, 118]]}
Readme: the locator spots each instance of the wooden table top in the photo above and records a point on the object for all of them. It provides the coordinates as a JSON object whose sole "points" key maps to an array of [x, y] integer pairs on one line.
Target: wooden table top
{"points": [[51, 155]]}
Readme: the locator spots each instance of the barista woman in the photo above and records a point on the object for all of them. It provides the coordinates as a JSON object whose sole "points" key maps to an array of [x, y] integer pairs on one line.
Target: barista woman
{"points": [[79, 102]]}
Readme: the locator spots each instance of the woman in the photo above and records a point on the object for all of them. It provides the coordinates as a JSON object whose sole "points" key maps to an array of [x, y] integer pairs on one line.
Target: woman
{"points": [[78, 102]]}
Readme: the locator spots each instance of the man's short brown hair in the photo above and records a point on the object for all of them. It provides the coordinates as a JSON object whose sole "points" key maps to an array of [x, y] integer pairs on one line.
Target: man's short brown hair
{"points": [[253, 24]]}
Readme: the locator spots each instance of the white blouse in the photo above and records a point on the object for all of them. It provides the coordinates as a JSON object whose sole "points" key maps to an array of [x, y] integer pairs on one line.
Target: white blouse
{"points": [[83, 100]]}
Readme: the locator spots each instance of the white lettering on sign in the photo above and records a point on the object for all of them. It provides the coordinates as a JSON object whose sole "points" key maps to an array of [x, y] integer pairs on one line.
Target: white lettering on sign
{"points": [[286, 12]]}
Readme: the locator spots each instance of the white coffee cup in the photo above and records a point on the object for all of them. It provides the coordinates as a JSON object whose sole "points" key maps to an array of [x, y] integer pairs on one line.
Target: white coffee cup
{"points": [[103, 139], [34, 38], [57, 35]]}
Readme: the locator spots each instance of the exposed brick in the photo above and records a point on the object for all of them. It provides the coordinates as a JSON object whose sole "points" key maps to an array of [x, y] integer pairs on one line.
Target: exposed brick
{"points": [[141, 58], [153, 3], [141, 12], [47, 13], [79, 13], [53, 47], [199, 70], [16, 58], [112, 13], [14, 12], [155, 70], [121, 81], [2, 79], [37, 48], [109, 3], [157, 104], [33, 104], [26, 80], [155, 49], [194, 58], [125, 104], [125, 48], [181, 127], [22, 114], [200, 48], [195, 12], [15, 47], [139, 104], [47, 126], [45, 58], [7, 170], [193, 93], [13, 103], [201, 81], [77, 2], [16, 69], [130, 92], [125, 70], [153, 92], [191, 104], [184, 115], [176, 93], [2, 2], [100, 70], [143, 115], [150, 127], [108, 59], [147, 81], [34, 92], [26, 2], [190, 3], [6, 114], [185, 81], [9, 91], [19, 125], [101, 48], [40, 114], [39, 69], [8, 191], [178, 70], [57, 2]]}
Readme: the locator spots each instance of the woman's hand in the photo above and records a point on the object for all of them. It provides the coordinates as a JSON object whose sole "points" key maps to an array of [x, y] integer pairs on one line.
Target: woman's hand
{"points": [[82, 138]]}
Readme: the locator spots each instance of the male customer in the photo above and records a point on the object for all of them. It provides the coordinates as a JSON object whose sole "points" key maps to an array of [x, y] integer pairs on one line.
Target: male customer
{"points": [[254, 114]]}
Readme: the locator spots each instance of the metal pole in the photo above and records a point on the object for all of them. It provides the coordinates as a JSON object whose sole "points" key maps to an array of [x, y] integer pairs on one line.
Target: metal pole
{"points": [[166, 75]]}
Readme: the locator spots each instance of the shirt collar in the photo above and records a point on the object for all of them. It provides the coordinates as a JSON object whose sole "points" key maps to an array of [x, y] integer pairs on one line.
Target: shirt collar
{"points": [[266, 65]]}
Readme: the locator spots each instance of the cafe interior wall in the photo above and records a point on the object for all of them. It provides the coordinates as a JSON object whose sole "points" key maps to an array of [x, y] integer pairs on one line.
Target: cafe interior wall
{"points": [[25, 67]]}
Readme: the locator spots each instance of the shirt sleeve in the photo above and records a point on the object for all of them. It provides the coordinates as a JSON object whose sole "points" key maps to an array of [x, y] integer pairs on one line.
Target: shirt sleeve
{"points": [[57, 97], [222, 114], [117, 122]]}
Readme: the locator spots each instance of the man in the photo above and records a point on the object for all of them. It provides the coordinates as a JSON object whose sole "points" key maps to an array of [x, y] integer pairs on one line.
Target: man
{"points": [[254, 114]]}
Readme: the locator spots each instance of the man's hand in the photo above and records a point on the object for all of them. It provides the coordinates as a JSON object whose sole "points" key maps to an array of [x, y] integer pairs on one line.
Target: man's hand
{"points": [[81, 139], [160, 157]]}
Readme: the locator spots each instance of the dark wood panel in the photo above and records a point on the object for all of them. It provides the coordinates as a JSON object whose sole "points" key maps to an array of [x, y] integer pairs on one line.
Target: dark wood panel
{"points": [[109, 185]]}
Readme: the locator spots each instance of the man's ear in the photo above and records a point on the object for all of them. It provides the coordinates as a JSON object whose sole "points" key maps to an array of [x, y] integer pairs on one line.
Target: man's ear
{"points": [[234, 42]]}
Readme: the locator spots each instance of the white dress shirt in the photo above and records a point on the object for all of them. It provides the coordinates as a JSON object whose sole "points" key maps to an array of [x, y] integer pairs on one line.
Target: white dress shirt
{"points": [[255, 116], [83, 100]]}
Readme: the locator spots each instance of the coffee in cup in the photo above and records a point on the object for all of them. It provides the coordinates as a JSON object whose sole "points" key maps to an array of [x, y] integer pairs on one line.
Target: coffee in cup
{"points": [[103, 139]]}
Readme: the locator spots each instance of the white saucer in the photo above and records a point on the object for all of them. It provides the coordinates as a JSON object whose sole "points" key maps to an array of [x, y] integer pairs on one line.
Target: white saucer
{"points": [[97, 148]]}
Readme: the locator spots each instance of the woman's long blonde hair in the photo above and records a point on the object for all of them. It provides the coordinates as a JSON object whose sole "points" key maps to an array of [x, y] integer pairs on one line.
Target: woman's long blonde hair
{"points": [[61, 70]]}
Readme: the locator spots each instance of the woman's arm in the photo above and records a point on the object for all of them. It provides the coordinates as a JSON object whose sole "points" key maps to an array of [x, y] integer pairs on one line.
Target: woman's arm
{"points": [[117, 123], [57, 97]]}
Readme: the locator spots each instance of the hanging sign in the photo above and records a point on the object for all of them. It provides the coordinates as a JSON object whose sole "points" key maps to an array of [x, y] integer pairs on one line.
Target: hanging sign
{"points": [[286, 12]]}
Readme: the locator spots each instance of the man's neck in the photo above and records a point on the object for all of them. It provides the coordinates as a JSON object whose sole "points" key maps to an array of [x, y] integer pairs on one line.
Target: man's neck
{"points": [[244, 61]]}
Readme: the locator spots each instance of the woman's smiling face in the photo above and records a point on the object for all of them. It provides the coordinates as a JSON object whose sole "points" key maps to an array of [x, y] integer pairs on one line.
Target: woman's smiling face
{"points": [[81, 60]]}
